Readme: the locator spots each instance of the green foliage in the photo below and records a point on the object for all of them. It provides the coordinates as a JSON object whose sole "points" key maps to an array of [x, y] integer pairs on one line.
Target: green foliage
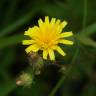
{"points": [[17, 16]]}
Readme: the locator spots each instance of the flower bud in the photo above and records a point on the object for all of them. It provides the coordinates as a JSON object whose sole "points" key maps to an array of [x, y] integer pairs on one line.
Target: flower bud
{"points": [[25, 79]]}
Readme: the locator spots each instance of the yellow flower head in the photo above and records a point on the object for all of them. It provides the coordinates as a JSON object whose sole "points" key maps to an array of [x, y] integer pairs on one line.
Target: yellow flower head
{"points": [[46, 37]]}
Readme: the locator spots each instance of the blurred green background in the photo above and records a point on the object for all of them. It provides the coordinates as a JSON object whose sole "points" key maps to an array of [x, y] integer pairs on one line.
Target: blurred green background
{"points": [[16, 16]]}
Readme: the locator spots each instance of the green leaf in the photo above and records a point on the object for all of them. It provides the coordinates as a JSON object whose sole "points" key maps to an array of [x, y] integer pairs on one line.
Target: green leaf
{"points": [[19, 22], [86, 40], [7, 41], [7, 88], [91, 29], [55, 9]]}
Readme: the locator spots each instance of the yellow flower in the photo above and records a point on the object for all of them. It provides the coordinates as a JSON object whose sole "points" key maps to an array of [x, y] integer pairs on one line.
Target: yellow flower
{"points": [[46, 37]]}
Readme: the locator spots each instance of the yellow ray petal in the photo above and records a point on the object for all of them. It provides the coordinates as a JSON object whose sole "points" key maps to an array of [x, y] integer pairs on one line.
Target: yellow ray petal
{"points": [[51, 54], [32, 31], [46, 19], [52, 21], [63, 24], [33, 48], [28, 32], [27, 42], [40, 22], [63, 41], [66, 34], [45, 54], [58, 21], [59, 50]]}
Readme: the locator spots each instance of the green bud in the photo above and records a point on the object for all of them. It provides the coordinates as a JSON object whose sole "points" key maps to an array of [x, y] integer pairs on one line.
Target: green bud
{"points": [[36, 63], [25, 79]]}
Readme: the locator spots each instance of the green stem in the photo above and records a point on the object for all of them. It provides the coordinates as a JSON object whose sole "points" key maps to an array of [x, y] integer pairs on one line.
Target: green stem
{"points": [[58, 84], [65, 75]]}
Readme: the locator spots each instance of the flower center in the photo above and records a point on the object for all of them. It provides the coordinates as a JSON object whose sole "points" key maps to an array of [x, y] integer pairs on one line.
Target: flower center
{"points": [[48, 37]]}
